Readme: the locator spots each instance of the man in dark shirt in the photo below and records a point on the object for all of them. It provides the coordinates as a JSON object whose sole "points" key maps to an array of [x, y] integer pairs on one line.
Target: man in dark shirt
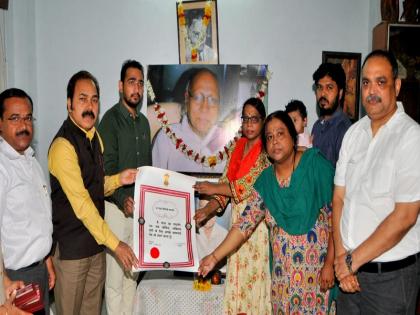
{"points": [[328, 131], [126, 136]]}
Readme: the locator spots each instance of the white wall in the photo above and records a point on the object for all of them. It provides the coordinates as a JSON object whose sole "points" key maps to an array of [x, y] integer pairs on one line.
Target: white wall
{"points": [[49, 40]]}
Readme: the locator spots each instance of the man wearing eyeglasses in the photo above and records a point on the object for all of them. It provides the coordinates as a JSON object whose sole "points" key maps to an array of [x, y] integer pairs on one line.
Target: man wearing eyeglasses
{"points": [[198, 127], [25, 206]]}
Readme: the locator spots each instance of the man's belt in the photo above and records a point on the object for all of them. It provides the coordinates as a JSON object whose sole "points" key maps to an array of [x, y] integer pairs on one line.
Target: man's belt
{"points": [[35, 264], [379, 267]]}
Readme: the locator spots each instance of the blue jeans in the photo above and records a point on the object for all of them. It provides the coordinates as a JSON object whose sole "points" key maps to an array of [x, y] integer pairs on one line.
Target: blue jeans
{"points": [[392, 292], [37, 274]]}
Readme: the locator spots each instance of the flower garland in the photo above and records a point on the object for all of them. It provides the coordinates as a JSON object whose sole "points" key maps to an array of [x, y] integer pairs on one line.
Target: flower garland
{"points": [[180, 145], [193, 49]]}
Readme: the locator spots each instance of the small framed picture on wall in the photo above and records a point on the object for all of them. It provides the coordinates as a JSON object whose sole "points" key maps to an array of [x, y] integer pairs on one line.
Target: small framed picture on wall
{"points": [[351, 65], [197, 32]]}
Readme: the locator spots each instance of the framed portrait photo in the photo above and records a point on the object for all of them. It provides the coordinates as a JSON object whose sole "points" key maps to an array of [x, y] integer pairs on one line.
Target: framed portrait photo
{"points": [[193, 124], [351, 65], [197, 32]]}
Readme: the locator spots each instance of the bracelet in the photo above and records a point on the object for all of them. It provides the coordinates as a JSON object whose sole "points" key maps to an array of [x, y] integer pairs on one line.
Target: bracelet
{"points": [[214, 256]]}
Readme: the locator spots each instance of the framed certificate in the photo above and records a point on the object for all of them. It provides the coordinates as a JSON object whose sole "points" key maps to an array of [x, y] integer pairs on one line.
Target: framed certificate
{"points": [[164, 229]]}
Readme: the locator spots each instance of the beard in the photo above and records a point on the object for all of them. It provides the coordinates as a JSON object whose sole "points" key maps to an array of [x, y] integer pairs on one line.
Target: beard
{"points": [[132, 104], [331, 110]]}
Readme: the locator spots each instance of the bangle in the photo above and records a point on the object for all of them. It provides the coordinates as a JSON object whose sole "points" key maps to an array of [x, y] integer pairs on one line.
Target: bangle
{"points": [[214, 256]]}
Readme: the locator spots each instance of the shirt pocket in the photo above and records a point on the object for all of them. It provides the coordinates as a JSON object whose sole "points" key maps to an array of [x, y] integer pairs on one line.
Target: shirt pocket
{"points": [[381, 177], [354, 165]]}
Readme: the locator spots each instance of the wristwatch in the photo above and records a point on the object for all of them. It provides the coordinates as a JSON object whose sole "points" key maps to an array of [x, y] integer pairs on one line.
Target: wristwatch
{"points": [[349, 261]]}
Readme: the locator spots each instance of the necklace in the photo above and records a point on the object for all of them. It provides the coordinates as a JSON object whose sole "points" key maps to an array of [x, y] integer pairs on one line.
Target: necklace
{"points": [[284, 182]]}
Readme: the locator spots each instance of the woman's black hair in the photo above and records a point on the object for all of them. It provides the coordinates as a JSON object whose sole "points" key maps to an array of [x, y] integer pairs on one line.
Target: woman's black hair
{"points": [[257, 104], [285, 118]]}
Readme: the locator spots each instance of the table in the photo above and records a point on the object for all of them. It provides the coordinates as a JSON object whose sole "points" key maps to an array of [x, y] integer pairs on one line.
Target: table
{"points": [[160, 293]]}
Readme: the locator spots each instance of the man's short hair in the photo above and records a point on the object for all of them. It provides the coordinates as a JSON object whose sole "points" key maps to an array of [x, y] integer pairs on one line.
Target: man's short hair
{"points": [[296, 105], [388, 56], [194, 76], [81, 75], [13, 92], [130, 63], [333, 70]]}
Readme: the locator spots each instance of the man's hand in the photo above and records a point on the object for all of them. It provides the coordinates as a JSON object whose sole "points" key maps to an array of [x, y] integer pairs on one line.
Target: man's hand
{"points": [[128, 206], [128, 176], [350, 284], [327, 277], [126, 256], [51, 273], [340, 267], [206, 188]]}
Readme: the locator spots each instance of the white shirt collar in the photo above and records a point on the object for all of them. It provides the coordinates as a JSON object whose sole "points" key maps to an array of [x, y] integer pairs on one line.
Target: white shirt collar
{"points": [[11, 153]]}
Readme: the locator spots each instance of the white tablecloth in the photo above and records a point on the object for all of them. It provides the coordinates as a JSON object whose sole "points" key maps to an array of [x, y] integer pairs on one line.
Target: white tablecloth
{"points": [[159, 293]]}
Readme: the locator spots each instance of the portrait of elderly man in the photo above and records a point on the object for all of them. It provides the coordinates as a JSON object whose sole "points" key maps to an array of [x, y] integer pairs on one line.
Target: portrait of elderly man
{"points": [[198, 127], [204, 51]]}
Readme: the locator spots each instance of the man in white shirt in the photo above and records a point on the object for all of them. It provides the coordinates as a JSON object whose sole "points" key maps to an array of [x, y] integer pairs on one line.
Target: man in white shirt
{"points": [[198, 128], [25, 205], [376, 200]]}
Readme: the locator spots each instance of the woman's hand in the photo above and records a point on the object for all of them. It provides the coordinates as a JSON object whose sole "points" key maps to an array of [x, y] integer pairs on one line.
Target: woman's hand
{"points": [[206, 188], [327, 277], [202, 214], [207, 264]]}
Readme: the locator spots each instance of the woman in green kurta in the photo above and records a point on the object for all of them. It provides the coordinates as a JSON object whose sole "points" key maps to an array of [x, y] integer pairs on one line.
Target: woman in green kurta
{"points": [[293, 197]]}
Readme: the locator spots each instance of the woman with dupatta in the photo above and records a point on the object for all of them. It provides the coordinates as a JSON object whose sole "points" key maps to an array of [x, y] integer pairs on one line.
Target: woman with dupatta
{"points": [[248, 276], [293, 197]]}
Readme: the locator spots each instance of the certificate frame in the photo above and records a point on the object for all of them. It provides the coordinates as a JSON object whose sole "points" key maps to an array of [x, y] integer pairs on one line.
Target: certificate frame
{"points": [[163, 225], [188, 227]]}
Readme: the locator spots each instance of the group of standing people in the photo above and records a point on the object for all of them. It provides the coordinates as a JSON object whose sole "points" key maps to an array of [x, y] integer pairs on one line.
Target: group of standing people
{"points": [[314, 230], [355, 226], [60, 241]]}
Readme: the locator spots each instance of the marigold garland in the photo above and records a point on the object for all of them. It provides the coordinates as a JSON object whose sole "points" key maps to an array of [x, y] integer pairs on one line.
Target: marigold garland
{"points": [[180, 145]]}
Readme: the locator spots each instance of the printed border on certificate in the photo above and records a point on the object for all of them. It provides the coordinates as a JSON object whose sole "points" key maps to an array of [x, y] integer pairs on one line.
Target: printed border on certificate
{"points": [[144, 191]]}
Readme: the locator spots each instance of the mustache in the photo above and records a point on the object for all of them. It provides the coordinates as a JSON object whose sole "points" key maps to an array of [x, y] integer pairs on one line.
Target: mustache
{"points": [[373, 98], [322, 98], [23, 132], [88, 113]]}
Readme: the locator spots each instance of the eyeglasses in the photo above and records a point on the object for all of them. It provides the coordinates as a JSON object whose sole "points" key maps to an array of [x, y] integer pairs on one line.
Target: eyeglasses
{"points": [[199, 99], [251, 119], [16, 119], [133, 82]]}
